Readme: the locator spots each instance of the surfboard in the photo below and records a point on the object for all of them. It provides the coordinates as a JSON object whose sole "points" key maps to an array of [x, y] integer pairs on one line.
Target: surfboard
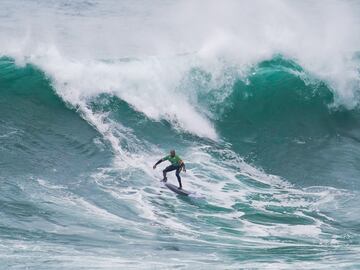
{"points": [[177, 190]]}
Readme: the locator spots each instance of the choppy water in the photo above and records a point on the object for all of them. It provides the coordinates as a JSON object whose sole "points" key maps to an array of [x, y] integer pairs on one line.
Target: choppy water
{"points": [[259, 99]]}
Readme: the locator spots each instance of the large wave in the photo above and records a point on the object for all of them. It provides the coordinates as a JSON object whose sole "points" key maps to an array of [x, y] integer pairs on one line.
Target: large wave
{"points": [[261, 100]]}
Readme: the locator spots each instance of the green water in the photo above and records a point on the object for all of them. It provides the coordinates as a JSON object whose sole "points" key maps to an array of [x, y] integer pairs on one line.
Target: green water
{"points": [[65, 193], [261, 104]]}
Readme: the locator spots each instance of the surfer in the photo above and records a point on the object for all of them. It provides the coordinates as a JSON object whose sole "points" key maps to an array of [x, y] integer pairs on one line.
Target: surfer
{"points": [[176, 164]]}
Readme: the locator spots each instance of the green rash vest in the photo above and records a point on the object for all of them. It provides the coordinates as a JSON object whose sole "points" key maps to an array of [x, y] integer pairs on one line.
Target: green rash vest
{"points": [[174, 160]]}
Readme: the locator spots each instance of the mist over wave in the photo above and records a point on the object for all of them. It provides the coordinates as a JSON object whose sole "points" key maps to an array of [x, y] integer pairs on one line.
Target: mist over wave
{"points": [[145, 63]]}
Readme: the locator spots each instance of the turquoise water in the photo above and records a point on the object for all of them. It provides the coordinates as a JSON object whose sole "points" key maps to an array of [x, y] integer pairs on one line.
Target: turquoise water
{"points": [[269, 136]]}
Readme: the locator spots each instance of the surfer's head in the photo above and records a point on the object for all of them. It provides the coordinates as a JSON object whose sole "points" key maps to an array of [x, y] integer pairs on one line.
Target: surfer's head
{"points": [[172, 153]]}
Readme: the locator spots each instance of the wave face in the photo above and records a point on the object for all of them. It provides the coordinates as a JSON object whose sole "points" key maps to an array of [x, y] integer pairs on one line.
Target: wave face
{"points": [[290, 127], [261, 103]]}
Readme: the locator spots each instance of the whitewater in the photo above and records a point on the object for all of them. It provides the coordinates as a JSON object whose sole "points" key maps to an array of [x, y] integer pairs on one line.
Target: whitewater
{"points": [[260, 99]]}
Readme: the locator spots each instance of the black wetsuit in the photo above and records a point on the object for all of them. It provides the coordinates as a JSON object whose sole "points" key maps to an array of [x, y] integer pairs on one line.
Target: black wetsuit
{"points": [[173, 168]]}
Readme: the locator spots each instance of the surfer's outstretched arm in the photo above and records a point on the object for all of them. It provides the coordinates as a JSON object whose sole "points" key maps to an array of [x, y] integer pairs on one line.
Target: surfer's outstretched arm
{"points": [[157, 163]]}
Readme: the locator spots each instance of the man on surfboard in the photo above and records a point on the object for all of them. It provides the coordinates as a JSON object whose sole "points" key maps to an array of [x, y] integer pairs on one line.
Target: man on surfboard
{"points": [[176, 164]]}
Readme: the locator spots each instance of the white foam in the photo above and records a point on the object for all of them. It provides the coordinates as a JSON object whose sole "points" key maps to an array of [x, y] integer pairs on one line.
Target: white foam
{"points": [[321, 36], [242, 34]]}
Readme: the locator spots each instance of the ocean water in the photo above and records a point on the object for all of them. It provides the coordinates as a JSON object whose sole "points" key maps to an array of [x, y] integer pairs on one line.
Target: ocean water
{"points": [[260, 99]]}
